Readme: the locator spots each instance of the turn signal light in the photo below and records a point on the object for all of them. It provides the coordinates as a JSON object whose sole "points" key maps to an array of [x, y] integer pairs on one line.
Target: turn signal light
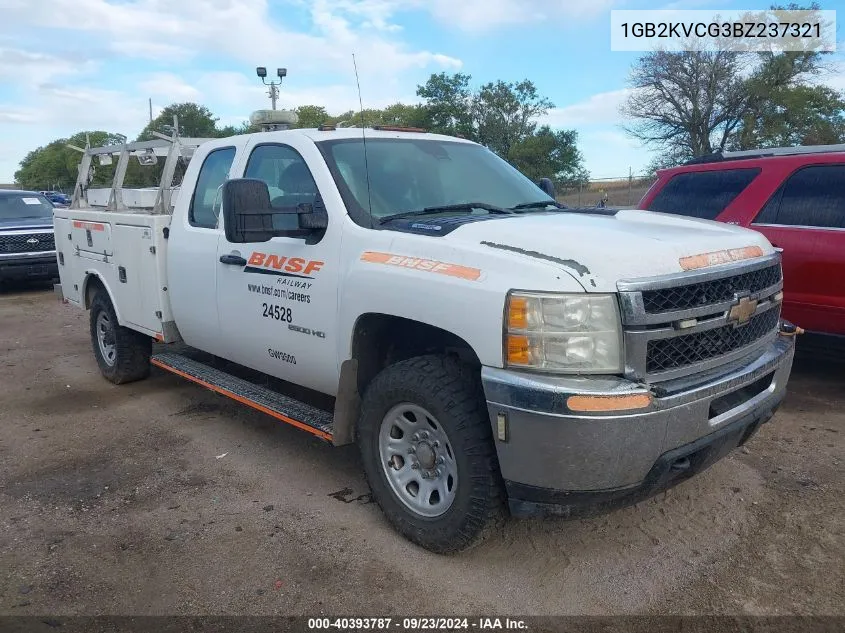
{"points": [[518, 313], [594, 404], [518, 350]]}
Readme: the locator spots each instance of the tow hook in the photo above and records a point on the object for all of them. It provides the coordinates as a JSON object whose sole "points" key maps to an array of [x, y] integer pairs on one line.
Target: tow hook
{"points": [[789, 329]]}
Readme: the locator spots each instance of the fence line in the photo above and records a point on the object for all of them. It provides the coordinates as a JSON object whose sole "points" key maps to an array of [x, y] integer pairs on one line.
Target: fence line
{"points": [[615, 191]]}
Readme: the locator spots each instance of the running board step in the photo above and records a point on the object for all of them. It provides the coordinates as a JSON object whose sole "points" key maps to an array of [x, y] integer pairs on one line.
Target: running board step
{"points": [[272, 403]]}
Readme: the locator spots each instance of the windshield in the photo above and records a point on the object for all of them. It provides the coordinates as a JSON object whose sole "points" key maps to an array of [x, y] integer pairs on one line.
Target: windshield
{"points": [[414, 174], [20, 206]]}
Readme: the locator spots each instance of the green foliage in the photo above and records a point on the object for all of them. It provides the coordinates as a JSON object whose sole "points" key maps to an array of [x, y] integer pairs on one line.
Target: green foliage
{"points": [[311, 116], [503, 114], [499, 115], [194, 121], [448, 104], [405, 115], [53, 166], [785, 109], [547, 153], [233, 130]]}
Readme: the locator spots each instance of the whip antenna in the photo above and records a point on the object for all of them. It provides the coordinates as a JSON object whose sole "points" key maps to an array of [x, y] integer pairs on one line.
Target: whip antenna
{"points": [[364, 138]]}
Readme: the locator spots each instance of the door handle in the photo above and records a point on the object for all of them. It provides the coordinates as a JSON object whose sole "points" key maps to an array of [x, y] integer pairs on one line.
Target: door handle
{"points": [[232, 260]]}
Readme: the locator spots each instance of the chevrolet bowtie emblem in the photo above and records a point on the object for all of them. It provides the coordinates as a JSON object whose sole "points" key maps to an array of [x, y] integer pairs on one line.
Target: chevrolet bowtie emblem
{"points": [[742, 311]]}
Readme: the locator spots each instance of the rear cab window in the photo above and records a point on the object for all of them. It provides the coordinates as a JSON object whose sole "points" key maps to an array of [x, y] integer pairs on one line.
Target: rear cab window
{"points": [[812, 197], [702, 194]]}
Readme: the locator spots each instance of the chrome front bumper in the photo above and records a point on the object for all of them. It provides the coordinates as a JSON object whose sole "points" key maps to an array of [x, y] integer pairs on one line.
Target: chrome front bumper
{"points": [[550, 454]]}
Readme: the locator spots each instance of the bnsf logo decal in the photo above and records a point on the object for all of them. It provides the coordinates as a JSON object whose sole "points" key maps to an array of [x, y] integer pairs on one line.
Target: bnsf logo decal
{"points": [[277, 265]]}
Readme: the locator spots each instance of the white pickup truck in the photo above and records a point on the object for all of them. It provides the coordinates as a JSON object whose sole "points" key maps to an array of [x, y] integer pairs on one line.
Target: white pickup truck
{"points": [[486, 348]]}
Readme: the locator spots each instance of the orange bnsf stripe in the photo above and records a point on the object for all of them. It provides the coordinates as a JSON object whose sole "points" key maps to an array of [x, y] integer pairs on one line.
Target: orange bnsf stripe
{"points": [[719, 257], [423, 265], [92, 226], [242, 400], [375, 258]]}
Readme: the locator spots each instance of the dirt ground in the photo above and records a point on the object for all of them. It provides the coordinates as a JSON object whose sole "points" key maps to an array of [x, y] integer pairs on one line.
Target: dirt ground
{"points": [[161, 497]]}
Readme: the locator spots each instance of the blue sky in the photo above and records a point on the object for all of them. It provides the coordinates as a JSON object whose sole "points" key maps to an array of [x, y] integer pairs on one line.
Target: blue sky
{"points": [[70, 65]]}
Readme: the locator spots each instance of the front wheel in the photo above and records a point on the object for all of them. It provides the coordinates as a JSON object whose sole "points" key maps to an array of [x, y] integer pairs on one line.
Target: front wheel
{"points": [[122, 354], [426, 443]]}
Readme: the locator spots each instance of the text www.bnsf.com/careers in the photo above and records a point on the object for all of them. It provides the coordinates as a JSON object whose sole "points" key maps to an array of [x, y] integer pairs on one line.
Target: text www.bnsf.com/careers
{"points": [[772, 30]]}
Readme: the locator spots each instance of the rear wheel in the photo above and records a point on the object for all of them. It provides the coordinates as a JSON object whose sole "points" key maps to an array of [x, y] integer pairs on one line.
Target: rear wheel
{"points": [[428, 454], [122, 354]]}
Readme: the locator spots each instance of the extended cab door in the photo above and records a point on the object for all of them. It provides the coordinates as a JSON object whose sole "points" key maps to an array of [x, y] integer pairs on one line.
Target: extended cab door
{"points": [[278, 312], [192, 247], [806, 218]]}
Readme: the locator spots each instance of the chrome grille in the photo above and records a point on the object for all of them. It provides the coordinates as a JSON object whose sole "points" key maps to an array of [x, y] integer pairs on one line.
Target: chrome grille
{"points": [[708, 292], [671, 353], [681, 324], [26, 242]]}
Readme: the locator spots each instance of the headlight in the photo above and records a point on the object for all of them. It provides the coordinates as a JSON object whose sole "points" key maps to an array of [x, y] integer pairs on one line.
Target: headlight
{"points": [[577, 333]]}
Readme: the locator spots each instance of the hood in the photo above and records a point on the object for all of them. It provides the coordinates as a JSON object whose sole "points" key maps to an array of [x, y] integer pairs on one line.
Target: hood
{"points": [[26, 223], [599, 250]]}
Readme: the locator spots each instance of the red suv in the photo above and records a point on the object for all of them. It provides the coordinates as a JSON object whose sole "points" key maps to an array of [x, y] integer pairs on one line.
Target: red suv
{"points": [[793, 196]]}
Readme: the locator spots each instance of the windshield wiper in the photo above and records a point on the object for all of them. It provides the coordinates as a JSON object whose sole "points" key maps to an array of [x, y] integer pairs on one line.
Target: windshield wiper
{"points": [[540, 204], [463, 206]]}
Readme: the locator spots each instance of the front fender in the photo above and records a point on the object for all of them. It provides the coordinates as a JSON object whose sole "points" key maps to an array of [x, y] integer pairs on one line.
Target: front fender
{"points": [[460, 291]]}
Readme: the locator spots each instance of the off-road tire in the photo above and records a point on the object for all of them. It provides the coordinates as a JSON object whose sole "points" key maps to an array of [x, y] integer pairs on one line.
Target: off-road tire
{"points": [[452, 393], [133, 349]]}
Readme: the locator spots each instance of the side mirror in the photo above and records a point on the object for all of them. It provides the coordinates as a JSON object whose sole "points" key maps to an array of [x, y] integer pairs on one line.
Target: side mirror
{"points": [[547, 186], [313, 217], [248, 215]]}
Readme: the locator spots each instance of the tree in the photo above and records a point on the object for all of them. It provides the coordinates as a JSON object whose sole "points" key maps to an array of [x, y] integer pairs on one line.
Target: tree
{"points": [[54, 165], [311, 116], [684, 103], [405, 115], [231, 130], [448, 104], [550, 154], [691, 103], [785, 109], [194, 121], [398, 114], [504, 114], [500, 115]]}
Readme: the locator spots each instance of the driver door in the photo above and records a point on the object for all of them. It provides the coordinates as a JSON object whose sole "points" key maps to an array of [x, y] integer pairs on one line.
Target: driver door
{"points": [[277, 299]]}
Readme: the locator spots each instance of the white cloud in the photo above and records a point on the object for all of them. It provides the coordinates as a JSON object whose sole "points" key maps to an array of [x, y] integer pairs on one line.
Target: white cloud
{"points": [[17, 115], [177, 32], [32, 67], [473, 16], [601, 108], [180, 37], [484, 15], [171, 87], [87, 108], [608, 151], [59, 111]]}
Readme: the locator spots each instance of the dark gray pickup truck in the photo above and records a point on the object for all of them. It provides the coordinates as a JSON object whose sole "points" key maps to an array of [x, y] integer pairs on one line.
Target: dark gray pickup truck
{"points": [[27, 244]]}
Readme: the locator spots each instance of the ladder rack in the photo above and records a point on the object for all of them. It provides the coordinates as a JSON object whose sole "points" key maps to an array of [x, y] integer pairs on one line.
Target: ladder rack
{"points": [[172, 148]]}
